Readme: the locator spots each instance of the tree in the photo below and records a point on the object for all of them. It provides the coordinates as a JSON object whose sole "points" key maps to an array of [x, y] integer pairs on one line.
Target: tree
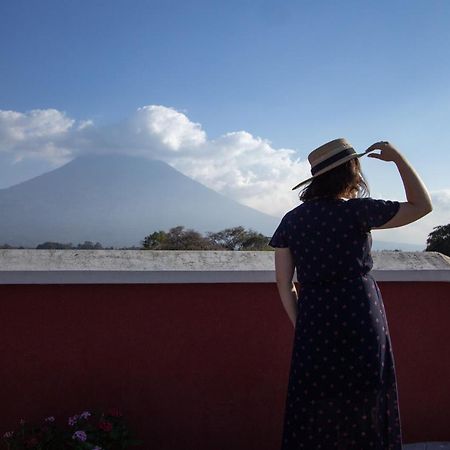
{"points": [[54, 245], [255, 241], [154, 241], [89, 245], [177, 238], [228, 239], [237, 238], [439, 240]]}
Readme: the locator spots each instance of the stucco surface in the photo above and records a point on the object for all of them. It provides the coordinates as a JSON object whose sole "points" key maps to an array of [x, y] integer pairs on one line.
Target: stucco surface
{"points": [[162, 266]]}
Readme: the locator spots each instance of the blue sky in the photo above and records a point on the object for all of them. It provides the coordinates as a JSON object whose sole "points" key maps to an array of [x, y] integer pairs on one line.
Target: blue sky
{"points": [[295, 74]]}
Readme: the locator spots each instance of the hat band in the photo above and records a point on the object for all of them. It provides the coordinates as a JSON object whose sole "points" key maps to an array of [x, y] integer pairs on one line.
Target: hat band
{"points": [[332, 159]]}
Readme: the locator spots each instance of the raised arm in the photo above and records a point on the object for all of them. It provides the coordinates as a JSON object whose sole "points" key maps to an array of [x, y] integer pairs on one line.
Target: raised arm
{"points": [[419, 200]]}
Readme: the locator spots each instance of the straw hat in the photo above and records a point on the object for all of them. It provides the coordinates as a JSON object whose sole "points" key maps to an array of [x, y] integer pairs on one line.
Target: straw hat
{"points": [[330, 155]]}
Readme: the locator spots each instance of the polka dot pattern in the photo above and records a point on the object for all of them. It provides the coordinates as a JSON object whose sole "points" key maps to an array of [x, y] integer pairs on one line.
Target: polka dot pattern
{"points": [[342, 387]]}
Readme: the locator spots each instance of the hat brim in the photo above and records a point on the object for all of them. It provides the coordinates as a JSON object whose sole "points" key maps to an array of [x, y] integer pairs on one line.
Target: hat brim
{"points": [[355, 155]]}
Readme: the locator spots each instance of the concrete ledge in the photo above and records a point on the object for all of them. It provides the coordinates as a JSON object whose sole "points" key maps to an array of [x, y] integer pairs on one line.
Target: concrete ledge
{"points": [[174, 266]]}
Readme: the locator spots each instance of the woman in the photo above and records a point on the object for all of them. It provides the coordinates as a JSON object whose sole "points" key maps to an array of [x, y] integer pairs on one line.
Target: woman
{"points": [[342, 389]]}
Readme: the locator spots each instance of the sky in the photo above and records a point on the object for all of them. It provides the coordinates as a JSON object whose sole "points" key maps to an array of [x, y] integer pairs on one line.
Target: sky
{"points": [[234, 94]]}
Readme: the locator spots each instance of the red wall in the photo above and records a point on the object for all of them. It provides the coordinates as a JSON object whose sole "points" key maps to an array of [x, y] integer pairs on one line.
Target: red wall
{"points": [[197, 366]]}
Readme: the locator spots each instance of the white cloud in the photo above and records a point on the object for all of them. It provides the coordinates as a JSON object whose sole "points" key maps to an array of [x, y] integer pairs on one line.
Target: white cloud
{"points": [[36, 124], [248, 169], [39, 133], [237, 164], [172, 128]]}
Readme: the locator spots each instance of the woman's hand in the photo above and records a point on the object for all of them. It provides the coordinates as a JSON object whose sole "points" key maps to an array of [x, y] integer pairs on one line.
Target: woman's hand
{"points": [[388, 151], [419, 201]]}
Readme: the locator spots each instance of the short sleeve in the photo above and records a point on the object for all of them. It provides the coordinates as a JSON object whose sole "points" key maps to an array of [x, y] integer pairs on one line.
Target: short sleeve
{"points": [[373, 213], [280, 236]]}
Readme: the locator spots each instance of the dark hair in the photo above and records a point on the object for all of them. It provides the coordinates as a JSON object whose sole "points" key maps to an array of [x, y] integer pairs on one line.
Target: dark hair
{"points": [[342, 180]]}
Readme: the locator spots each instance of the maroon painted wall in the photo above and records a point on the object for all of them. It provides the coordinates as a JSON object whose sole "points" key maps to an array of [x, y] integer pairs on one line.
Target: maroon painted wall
{"points": [[197, 366]]}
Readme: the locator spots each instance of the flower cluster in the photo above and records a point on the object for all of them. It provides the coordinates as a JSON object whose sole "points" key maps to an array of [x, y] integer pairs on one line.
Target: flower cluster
{"points": [[93, 431]]}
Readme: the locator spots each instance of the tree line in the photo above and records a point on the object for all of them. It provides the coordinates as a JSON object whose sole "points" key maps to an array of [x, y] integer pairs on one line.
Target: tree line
{"points": [[232, 239], [179, 238]]}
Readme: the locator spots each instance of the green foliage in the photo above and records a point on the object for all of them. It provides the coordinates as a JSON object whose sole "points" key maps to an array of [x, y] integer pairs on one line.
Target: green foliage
{"points": [[439, 240], [86, 245], [177, 238], [54, 245], [181, 238], [237, 238], [154, 241], [94, 430]]}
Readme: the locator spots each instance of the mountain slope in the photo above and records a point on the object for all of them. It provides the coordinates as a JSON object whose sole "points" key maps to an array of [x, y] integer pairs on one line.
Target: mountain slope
{"points": [[116, 200]]}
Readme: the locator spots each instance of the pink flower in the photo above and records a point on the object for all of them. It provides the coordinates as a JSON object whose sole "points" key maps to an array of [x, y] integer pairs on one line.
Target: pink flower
{"points": [[105, 426], [73, 420], [80, 435]]}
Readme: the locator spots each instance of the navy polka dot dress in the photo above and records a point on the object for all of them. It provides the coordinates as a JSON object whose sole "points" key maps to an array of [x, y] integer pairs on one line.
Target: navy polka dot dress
{"points": [[342, 389]]}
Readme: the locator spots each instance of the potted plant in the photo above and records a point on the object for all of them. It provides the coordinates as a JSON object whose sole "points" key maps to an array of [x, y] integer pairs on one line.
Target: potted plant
{"points": [[85, 431]]}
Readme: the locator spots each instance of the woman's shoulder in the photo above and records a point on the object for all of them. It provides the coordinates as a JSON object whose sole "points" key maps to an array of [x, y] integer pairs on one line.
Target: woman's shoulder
{"points": [[358, 203], [369, 201], [328, 202]]}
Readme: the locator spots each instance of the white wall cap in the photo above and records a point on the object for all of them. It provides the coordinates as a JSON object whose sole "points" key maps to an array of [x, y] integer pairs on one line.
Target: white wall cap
{"points": [[32, 266]]}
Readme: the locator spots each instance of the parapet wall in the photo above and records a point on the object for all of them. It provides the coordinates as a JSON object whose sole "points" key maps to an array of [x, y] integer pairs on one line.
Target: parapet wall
{"points": [[156, 266], [195, 347]]}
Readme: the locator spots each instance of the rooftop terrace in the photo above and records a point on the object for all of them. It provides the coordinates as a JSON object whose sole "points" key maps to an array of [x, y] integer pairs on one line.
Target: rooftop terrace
{"points": [[194, 346]]}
